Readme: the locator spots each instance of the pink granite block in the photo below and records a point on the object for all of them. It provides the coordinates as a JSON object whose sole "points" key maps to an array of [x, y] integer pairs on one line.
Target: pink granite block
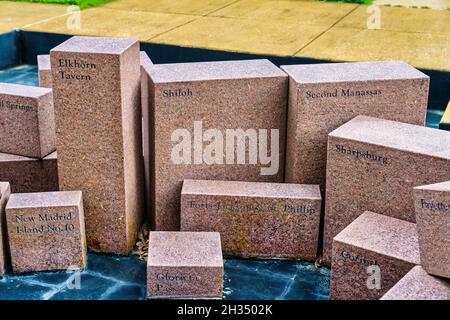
{"points": [[419, 285], [29, 174], [213, 120], [374, 164], [324, 96], [5, 192], [432, 204], [27, 121], [371, 255], [98, 119], [184, 265], [44, 71], [255, 219], [46, 231]]}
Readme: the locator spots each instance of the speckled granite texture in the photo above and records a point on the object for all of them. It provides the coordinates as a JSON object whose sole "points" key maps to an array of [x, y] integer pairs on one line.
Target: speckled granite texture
{"points": [[46, 231], [29, 174], [386, 244], [191, 98], [98, 119], [45, 72], [432, 204], [28, 121], [419, 285], [324, 96], [184, 265], [5, 192], [374, 165], [255, 219]]}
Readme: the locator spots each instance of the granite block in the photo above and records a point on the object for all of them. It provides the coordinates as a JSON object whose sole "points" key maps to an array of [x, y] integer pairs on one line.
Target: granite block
{"points": [[27, 120], [444, 124], [255, 219], [184, 265], [419, 285], [44, 70], [46, 231], [29, 174], [324, 96], [374, 164], [5, 192], [371, 255], [96, 85], [213, 120], [432, 204]]}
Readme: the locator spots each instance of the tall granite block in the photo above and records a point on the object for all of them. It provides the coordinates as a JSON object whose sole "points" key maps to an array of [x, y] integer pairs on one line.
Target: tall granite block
{"points": [[371, 255], [46, 231], [444, 124], [44, 70], [255, 219], [5, 192], [432, 204], [29, 174], [98, 119], [213, 120], [324, 96], [374, 164], [27, 120], [419, 285], [184, 265]]}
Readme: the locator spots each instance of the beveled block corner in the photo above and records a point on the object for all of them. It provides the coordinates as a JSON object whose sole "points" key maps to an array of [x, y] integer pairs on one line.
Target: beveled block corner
{"points": [[255, 219], [46, 231], [184, 265], [371, 255]]}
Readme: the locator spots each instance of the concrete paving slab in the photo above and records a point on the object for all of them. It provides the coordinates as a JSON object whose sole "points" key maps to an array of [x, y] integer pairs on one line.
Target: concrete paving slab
{"points": [[433, 4], [422, 50], [116, 23], [255, 36]]}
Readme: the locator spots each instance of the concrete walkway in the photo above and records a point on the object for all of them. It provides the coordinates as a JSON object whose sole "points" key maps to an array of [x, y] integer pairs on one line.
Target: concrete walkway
{"points": [[323, 30]]}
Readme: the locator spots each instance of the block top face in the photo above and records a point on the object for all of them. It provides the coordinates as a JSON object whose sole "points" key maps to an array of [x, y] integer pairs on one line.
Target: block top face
{"points": [[251, 189], [95, 45], [442, 186], [352, 71], [44, 199], [43, 62], [19, 90], [396, 135], [185, 249], [383, 234], [216, 70]]}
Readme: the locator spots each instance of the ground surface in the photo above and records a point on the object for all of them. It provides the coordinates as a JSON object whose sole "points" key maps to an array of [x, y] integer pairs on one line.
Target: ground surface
{"points": [[322, 30]]}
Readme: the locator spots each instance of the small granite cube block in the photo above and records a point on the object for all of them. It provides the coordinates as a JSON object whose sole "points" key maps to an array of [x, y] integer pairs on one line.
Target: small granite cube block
{"points": [[255, 219], [324, 96], [221, 120], [432, 203], [46, 231], [419, 285], [44, 70], [184, 265], [371, 255], [5, 192], [29, 174], [27, 121], [374, 164], [444, 124]]}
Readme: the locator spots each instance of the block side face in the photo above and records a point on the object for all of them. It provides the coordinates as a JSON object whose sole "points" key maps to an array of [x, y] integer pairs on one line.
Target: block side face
{"points": [[291, 129], [385, 180], [132, 143], [47, 126], [45, 73], [256, 227], [88, 111], [433, 220], [253, 105], [45, 238], [321, 108], [352, 270], [184, 282], [146, 104], [5, 192]]}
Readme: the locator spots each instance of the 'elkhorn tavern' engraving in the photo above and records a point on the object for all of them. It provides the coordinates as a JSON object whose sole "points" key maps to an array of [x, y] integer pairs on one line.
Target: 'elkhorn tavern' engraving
{"points": [[75, 64]]}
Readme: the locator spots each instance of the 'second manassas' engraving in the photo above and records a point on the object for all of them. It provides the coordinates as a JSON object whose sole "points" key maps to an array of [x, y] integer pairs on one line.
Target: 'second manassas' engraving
{"points": [[345, 93]]}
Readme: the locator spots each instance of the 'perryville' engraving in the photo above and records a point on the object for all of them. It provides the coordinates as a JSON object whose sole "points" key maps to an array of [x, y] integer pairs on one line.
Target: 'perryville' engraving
{"points": [[362, 154], [435, 206]]}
